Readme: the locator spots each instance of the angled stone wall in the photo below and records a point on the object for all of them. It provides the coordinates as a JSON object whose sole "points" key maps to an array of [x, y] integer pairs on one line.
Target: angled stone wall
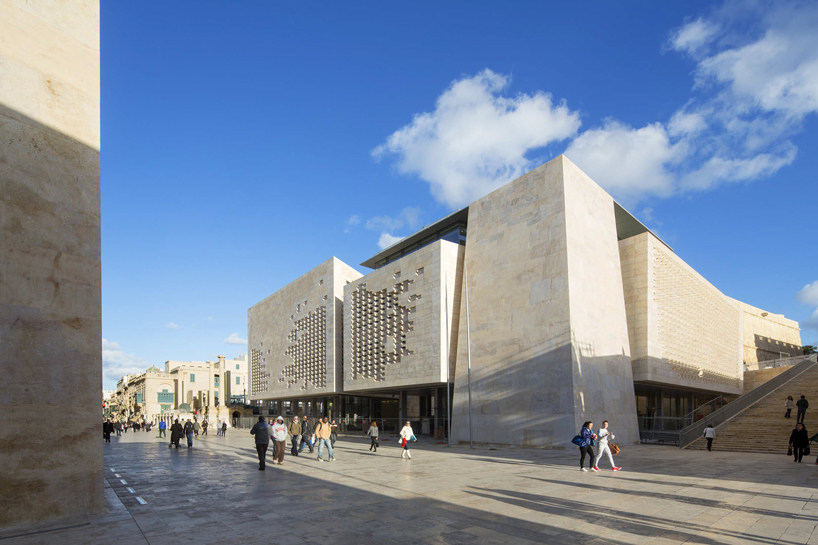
{"points": [[50, 330]]}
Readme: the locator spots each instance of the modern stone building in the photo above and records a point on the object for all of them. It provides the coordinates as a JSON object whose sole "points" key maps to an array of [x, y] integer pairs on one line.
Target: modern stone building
{"points": [[537, 307], [50, 310]]}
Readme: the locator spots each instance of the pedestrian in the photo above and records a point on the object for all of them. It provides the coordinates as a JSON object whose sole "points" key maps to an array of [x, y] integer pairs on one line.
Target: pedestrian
{"points": [[372, 432], [224, 428], [295, 433], [176, 432], [603, 436], [799, 442], [262, 432], [802, 405], [788, 406], [333, 434], [204, 427], [406, 437], [586, 446], [196, 427], [709, 434], [189, 433], [280, 437], [107, 430], [219, 428], [118, 427], [306, 435], [322, 433], [163, 426]]}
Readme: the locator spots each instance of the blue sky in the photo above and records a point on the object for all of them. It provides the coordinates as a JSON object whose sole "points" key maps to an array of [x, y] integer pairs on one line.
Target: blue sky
{"points": [[244, 143]]}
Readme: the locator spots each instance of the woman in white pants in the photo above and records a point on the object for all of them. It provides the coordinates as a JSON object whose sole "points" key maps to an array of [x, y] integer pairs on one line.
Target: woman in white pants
{"points": [[602, 436]]}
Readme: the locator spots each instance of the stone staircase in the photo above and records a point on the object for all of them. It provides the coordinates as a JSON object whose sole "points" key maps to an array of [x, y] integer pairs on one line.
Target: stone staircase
{"points": [[762, 427]]}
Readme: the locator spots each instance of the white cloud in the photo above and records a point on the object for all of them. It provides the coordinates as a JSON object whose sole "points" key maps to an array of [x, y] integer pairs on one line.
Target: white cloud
{"points": [[476, 139], [808, 294], [116, 362], [355, 219], [387, 240], [693, 36], [235, 339], [172, 325], [409, 216], [625, 160]]}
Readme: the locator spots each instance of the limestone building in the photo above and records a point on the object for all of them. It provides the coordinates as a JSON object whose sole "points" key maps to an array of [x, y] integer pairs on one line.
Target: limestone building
{"points": [[50, 309], [537, 307]]}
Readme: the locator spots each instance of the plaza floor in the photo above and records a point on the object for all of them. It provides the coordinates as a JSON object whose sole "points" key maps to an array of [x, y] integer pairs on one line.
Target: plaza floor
{"points": [[213, 493]]}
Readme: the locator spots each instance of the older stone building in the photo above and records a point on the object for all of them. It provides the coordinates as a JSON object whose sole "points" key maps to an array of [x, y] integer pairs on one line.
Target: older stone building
{"points": [[537, 307]]}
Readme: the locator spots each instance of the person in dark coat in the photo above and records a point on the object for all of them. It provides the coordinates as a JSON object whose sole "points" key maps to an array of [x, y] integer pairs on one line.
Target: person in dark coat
{"points": [[107, 430], [799, 441], [262, 432], [188, 429], [176, 433], [802, 405]]}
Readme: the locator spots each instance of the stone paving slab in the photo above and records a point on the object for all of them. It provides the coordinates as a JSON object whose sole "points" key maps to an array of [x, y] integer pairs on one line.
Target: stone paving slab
{"points": [[213, 493]]}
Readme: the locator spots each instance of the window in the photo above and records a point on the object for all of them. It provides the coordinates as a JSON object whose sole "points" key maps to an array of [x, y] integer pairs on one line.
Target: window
{"points": [[192, 377], [164, 397], [237, 367], [139, 397], [238, 381], [216, 381]]}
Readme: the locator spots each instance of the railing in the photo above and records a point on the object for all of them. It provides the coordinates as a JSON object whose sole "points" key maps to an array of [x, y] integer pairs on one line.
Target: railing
{"points": [[660, 429], [704, 409], [783, 362], [729, 411]]}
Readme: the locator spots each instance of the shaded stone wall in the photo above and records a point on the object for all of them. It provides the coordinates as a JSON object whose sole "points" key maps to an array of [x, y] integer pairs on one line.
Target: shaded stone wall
{"points": [[50, 317]]}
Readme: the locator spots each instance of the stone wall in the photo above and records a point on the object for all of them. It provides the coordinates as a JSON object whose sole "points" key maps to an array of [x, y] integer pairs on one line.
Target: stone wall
{"points": [[768, 336], [50, 317], [296, 335], [398, 320]]}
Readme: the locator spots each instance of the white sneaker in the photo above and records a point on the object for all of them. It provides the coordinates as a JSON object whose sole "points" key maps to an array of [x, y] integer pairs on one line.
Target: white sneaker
{"points": [[583, 469]]}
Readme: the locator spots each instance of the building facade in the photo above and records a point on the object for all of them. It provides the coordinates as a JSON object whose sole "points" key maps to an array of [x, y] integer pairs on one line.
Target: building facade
{"points": [[537, 307]]}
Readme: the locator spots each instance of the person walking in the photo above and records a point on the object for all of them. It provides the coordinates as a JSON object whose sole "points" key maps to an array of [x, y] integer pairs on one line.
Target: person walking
{"points": [[372, 432], [196, 427], [280, 437], [107, 430], [163, 426], [176, 432], [799, 441], [204, 427], [322, 435], [407, 435], [586, 445], [788, 406], [189, 433], [333, 433], [295, 433], [224, 428], [603, 437], [306, 435], [710, 434], [802, 405], [118, 428], [262, 433]]}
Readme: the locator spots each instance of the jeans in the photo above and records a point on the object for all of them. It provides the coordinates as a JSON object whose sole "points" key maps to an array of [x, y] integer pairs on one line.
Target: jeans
{"points": [[799, 418], [162, 432], [321, 443], [306, 440], [294, 450], [709, 443], [189, 440]]}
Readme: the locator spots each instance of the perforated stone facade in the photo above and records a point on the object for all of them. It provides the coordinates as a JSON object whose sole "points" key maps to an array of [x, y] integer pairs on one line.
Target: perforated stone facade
{"points": [[395, 320], [683, 331], [295, 336]]}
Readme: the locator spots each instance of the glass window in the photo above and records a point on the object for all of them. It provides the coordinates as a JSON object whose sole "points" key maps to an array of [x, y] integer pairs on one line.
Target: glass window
{"points": [[237, 366], [192, 377], [238, 380], [216, 381]]}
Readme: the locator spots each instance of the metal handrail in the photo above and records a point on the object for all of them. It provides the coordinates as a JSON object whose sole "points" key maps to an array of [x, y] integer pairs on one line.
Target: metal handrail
{"points": [[691, 416], [728, 412]]}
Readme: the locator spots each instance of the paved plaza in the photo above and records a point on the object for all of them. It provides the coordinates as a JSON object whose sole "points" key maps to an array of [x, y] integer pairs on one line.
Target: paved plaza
{"points": [[213, 493]]}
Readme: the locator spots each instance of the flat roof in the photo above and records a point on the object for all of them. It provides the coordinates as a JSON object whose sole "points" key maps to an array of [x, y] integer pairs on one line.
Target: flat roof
{"points": [[452, 220], [626, 226]]}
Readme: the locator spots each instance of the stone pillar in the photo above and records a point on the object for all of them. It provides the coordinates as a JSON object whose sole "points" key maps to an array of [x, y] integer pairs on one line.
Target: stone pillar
{"points": [[50, 310]]}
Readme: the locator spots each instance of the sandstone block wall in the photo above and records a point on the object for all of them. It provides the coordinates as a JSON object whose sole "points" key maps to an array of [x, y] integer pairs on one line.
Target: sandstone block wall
{"points": [[399, 319], [50, 329], [296, 335]]}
